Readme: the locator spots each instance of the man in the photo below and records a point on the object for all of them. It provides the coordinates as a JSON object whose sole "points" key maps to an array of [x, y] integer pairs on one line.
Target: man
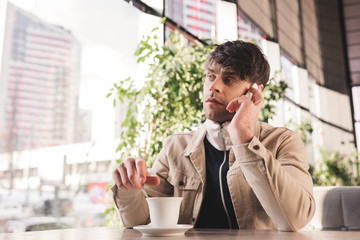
{"points": [[234, 172]]}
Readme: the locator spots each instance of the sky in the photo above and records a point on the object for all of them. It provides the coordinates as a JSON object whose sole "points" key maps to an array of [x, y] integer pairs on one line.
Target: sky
{"points": [[108, 31]]}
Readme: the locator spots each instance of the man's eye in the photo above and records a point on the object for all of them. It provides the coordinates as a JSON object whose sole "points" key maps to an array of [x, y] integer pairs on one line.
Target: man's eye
{"points": [[228, 80], [210, 76]]}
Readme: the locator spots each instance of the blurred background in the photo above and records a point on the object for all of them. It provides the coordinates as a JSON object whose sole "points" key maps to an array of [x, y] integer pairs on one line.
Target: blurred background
{"points": [[59, 58]]}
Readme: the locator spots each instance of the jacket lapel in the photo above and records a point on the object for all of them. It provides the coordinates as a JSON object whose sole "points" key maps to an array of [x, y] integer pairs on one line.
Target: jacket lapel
{"points": [[196, 152]]}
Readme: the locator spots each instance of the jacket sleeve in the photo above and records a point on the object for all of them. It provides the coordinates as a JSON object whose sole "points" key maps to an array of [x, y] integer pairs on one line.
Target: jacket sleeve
{"points": [[131, 204], [281, 183]]}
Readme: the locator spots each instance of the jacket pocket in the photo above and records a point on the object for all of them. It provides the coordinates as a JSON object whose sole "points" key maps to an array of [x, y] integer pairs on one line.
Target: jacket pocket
{"points": [[183, 182], [187, 187]]}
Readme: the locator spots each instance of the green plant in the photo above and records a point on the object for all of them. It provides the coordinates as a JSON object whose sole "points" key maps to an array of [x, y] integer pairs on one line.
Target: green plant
{"points": [[273, 92], [335, 169], [171, 99], [110, 214], [111, 218]]}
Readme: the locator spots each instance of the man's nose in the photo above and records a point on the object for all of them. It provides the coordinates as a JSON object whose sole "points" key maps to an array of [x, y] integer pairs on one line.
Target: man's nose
{"points": [[216, 86]]}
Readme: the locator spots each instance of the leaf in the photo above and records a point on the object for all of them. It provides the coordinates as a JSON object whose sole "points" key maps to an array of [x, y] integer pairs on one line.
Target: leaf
{"points": [[110, 185], [118, 148], [108, 95], [141, 59], [163, 20]]}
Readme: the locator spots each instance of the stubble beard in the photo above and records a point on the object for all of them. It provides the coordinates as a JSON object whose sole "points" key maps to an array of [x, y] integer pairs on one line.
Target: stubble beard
{"points": [[217, 115]]}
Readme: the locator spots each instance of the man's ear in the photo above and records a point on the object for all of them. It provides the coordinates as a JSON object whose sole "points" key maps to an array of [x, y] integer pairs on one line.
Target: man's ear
{"points": [[261, 87]]}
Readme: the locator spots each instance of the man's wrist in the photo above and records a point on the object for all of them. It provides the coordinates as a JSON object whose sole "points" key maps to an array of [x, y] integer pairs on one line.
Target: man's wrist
{"points": [[242, 138]]}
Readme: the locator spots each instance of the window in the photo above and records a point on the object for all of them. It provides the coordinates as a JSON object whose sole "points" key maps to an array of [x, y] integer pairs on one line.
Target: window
{"points": [[61, 64], [196, 16], [248, 31]]}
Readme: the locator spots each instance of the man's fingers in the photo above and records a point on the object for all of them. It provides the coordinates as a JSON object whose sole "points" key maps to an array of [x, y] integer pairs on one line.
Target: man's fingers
{"points": [[117, 178], [132, 174], [141, 169], [123, 175], [235, 104], [256, 96], [152, 180], [231, 107]]}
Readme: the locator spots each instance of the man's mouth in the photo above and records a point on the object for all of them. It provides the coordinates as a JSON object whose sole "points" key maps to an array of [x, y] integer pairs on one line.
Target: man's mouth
{"points": [[213, 101]]}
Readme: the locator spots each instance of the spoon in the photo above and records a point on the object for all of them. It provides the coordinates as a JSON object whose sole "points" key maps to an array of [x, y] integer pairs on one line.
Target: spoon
{"points": [[147, 196]]}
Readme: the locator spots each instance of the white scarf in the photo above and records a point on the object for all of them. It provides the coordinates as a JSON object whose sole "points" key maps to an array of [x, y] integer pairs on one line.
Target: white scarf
{"points": [[212, 130]]}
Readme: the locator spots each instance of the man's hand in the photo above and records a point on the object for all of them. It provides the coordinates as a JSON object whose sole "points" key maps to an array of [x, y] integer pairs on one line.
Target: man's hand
{"points": [[247, 114], [132, 174]]}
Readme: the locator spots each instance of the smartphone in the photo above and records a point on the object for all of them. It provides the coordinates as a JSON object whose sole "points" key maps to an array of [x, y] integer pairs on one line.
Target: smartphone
{"points": [[249, 94]]}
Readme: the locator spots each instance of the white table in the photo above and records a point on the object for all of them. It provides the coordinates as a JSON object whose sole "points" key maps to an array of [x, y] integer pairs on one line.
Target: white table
{"points": [[198, 234]]}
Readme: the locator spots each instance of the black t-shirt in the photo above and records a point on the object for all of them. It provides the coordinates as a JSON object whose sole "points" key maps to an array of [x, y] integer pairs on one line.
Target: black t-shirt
{"points": [[212, 213]]}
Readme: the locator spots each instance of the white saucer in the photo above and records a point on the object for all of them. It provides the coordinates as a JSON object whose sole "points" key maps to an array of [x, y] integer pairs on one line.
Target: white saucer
{"points": [[149, 231]]}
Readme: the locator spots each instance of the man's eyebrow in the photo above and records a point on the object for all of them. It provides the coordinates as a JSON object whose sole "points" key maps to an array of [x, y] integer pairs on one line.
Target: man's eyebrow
{"points": [[229, 72]]}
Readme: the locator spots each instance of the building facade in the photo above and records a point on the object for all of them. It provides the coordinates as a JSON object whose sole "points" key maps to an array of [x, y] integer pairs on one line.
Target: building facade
{"points": [[38, 168], [39, 83]]}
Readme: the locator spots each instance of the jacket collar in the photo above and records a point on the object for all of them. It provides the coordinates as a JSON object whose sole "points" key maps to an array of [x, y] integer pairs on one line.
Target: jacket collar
{"points": [[196, 150], [198, 142], [200, 134]]}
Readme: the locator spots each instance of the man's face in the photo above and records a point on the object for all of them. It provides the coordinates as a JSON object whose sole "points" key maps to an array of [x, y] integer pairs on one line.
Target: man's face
{"points": [[220, 87]]}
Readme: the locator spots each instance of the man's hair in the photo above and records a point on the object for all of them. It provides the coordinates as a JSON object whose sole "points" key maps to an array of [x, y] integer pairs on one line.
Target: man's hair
{"points": [[245, 58]]}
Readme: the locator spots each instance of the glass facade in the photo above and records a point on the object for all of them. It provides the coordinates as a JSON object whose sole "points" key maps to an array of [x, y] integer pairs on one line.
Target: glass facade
{"points": [[290, 110], [49, 76], [247, 31], [42, 78], [196, 16]]}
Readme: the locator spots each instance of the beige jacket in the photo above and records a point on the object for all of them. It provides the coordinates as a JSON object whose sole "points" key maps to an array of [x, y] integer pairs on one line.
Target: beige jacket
{"points": [[268, 180]]}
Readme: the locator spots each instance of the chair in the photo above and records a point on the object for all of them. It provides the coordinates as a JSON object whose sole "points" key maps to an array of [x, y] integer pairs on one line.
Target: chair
{"points": [[337, 208]]}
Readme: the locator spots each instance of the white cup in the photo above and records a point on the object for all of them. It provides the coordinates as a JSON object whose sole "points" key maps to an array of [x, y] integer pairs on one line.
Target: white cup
{"points": [[164, 211]]}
